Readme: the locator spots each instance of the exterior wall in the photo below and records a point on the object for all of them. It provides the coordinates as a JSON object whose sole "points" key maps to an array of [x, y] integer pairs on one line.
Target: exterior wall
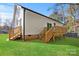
{"points": [[22, 18], [19, 17], [35, 23]]}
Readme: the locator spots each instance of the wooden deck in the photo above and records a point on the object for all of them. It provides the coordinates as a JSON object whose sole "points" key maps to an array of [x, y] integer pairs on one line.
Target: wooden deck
{"points": [[45, 35], [58, 32], [52, 33]]}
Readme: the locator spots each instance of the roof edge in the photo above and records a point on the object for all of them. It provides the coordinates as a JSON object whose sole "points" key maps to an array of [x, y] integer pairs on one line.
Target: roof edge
{"points": [[39, 13]]}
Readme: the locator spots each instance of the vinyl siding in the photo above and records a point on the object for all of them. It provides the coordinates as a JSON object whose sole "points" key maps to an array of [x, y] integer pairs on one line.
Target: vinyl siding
{"points": [[35, 23]]}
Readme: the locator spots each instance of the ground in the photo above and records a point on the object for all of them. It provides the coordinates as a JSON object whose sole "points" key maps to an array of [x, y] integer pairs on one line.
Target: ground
{"points": [[64, 46]]}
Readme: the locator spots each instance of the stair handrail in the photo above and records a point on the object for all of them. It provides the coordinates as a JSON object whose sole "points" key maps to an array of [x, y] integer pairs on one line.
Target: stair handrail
{"points": [[48, 35]]}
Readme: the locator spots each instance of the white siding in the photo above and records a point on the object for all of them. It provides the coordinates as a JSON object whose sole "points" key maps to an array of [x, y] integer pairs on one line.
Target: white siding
{"points": [[19, 19], [35, 23], [22, 18]]}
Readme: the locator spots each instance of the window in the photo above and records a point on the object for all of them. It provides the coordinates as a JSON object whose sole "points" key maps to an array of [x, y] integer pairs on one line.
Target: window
{"points": [[49, 25]]}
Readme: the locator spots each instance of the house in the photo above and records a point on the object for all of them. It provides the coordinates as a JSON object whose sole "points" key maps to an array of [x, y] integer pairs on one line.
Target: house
{"points": [[4, 29], [29, 24], [76, 26]]}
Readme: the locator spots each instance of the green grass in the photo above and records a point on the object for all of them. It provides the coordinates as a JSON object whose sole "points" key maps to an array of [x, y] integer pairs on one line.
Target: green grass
{"points": [[62, 47]]}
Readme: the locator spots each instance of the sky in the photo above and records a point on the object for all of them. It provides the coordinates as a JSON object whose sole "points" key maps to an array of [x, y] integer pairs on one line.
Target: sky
{"points": [[7, 9], [6, 12], [40, 7]]}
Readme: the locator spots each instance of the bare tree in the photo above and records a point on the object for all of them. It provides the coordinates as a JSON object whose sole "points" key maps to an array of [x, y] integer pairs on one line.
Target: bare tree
{"points": [[60, 11], [74, 10]]}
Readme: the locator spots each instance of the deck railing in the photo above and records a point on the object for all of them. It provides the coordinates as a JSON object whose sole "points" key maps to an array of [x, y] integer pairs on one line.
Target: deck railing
{"points": [[54, 32], [58, 31]]}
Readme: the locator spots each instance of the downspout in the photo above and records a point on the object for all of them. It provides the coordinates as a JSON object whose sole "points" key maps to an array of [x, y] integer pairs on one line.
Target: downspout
{"points": [[24, 25]]}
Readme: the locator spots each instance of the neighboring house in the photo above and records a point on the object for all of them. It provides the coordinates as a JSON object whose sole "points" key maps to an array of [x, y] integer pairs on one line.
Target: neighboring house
{"points": [[29, 23], [4, 29], [74, 32], [76, 26]]}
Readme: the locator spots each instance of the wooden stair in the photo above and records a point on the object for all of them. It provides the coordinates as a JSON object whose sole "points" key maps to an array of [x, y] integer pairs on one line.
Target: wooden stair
{"points": [[45, 34], [42, 33], [17, 36], [48, 35], [15, 33]]}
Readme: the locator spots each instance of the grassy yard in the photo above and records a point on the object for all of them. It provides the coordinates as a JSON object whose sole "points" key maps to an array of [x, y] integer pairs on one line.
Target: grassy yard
{"points": [[64, 46]]}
